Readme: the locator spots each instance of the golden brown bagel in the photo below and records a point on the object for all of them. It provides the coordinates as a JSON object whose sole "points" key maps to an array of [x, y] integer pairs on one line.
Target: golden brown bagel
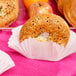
{"points": [[54, 25], [60, 4], [70, 11], [8, 12]]}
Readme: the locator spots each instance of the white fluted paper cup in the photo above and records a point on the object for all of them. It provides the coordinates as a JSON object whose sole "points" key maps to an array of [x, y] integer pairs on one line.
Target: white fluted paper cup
{"points": [[5, 62], [34, 49]]}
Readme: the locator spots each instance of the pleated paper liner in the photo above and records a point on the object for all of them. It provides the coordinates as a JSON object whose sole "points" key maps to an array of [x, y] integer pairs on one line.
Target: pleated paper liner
{"points": [[42, 50], [5, 62]]}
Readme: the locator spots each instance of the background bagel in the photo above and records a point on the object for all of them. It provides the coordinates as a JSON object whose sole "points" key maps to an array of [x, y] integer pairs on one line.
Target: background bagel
{"points": [[8, 12], [54, 25], [70, 11], [60, 4]]}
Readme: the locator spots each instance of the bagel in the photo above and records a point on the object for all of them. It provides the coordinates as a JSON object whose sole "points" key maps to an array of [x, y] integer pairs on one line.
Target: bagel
{"points": [[70, 11], [54, 25], [8, 12], [60, 4]]}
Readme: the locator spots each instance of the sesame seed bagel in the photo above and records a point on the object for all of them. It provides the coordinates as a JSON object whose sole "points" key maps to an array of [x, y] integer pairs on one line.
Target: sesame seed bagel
{"points": [[8, 12], [54, 25]]}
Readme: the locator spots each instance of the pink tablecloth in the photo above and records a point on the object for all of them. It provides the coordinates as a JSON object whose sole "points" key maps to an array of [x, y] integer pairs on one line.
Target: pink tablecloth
{"points": [[28, 67]]}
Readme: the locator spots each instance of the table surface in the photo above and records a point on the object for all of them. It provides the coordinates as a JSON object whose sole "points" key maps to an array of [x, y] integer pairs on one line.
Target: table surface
{"points": [[29, 67]]}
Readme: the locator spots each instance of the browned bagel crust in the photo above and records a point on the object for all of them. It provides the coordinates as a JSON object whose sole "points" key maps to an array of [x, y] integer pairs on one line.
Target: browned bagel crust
{"points": [[9, 10], [54, 25]]}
